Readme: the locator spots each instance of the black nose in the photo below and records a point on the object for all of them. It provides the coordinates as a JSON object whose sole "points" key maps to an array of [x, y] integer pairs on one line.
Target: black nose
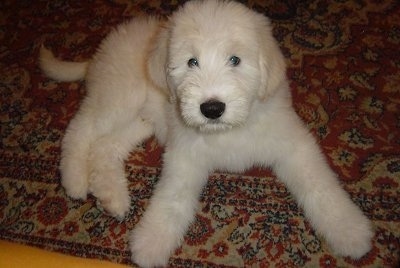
{"points": [[212, 109]]}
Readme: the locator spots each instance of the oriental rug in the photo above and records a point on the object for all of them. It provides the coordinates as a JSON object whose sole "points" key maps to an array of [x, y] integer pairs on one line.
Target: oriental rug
{"points": [[343, 61]]}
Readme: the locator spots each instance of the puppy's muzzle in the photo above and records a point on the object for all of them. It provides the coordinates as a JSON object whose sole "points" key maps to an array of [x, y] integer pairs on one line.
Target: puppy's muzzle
{"points": [[212, 109]]}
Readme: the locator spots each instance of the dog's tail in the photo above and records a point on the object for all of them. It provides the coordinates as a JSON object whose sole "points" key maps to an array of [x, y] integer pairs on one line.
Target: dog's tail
{"points": [[59, 70]]}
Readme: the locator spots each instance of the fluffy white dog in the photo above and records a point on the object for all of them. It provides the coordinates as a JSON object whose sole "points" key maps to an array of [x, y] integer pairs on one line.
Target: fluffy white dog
{"points": [[210, 84]]}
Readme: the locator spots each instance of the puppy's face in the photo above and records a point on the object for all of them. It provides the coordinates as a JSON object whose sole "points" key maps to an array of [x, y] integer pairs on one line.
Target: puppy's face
{"points": [[215, 70]]}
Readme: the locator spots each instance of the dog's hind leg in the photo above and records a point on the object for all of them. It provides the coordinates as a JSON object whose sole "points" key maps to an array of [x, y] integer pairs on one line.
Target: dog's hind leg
{"points": [[74, 153], [107, 180]]}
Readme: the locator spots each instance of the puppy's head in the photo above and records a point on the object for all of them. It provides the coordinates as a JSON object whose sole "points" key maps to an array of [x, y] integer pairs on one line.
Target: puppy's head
{"points": [[221, 58]]}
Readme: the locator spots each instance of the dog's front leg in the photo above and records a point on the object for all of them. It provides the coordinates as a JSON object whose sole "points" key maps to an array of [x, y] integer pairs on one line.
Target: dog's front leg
{"points": [[302, 167], [171, 210]]}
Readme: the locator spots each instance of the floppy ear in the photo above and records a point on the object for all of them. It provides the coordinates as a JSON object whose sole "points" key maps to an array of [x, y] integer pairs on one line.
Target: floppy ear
{"points": [[157, 58], [271, 61]]}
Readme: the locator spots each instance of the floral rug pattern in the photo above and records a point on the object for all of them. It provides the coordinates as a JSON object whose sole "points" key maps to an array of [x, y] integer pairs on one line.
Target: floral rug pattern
{"points": [[343, 61]]}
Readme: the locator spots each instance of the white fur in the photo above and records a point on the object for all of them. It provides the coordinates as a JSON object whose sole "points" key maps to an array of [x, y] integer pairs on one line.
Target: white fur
{"points": [[129, 80], [61, 70]]}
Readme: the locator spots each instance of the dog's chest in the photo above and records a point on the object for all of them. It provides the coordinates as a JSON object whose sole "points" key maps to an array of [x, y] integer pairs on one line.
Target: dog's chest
{"points": [[233, 151]]}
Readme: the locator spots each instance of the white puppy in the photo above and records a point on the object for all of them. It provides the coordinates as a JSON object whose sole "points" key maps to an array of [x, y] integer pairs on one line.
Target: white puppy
{"points": [[210, 84]]}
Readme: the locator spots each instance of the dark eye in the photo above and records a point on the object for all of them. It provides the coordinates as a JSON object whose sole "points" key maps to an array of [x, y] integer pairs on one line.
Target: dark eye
{"points": [[193, 63], [234, 61]]}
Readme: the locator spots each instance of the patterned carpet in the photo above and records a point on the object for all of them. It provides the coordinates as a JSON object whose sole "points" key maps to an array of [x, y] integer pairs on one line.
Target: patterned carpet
{"points": [[344, 64]]}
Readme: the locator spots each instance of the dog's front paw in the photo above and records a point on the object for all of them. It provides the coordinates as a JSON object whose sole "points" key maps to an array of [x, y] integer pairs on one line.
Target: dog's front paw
{"points": [[117, 205], [74, 182], [152, 244], [352, 237], [110, 188]]}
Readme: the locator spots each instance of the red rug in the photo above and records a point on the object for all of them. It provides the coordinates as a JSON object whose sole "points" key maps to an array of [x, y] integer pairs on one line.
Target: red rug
{"points": [[344, 63]]}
